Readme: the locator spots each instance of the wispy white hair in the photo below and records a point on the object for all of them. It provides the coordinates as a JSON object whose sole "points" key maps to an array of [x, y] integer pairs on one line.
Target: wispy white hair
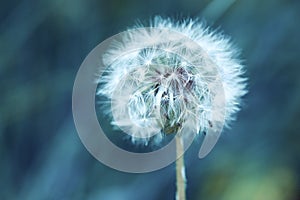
{"points": [[155, 91]]}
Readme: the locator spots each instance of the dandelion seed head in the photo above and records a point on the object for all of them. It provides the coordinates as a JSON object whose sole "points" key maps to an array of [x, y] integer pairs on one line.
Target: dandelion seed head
{"points": [[154, 91]]}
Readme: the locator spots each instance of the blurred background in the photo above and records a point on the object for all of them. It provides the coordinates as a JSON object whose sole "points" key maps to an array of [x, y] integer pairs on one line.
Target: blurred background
{"points": [[43, 44]]}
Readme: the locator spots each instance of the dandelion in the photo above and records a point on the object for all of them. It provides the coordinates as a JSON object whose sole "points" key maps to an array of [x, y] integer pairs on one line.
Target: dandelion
{"points": [[155, 91]]}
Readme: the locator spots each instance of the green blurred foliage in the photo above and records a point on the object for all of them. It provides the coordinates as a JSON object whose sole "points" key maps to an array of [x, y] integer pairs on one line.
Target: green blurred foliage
{"points": [[42, 46]]}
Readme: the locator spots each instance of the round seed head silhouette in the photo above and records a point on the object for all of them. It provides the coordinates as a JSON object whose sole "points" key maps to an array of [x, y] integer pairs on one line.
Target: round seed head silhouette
{"points": [[167, 78]]}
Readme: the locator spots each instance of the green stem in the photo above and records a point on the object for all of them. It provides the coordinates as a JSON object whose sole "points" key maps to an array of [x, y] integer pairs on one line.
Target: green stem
{"points": [[180, 170]]}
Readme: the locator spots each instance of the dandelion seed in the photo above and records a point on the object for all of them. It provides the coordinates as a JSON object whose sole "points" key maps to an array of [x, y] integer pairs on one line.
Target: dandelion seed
{"points": [[156, 92]]}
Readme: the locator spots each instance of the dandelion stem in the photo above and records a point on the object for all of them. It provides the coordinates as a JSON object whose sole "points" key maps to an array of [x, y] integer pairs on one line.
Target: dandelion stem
{"points": [[180, 170]]}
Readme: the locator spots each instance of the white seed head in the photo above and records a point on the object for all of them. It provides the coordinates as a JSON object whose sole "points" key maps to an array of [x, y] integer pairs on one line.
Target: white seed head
{"points": [[155, 90]]}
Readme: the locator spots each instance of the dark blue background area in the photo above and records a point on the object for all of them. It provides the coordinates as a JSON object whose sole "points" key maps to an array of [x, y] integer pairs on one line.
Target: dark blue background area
{"points": [[42, 45]]}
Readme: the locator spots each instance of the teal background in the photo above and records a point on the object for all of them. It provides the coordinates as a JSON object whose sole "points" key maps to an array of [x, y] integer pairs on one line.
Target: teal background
{"points": [[42, 45]]}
